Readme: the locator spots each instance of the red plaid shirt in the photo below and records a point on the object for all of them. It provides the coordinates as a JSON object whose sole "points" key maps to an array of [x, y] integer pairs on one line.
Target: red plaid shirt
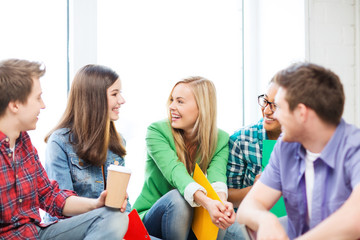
{"points": [[24, 188]]}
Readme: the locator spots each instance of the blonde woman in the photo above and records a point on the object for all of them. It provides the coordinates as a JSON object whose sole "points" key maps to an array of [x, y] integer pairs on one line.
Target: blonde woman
{"points": [[174, 146]]}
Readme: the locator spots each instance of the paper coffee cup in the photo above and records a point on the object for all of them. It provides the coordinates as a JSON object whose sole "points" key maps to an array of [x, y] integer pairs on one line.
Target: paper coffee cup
{"points": [[116, 185]]}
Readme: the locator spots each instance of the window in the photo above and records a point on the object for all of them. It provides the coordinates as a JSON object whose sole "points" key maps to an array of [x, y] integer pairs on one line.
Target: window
{"points": [[36, 30], [152, 45]]}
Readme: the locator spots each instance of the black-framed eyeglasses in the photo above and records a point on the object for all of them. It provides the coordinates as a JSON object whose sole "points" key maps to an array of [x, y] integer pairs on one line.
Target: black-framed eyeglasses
{"points": [[263, 102]]}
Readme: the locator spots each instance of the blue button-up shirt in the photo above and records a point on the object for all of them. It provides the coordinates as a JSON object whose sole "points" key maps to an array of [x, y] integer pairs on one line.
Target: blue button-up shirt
{"points": [[336, 175]]}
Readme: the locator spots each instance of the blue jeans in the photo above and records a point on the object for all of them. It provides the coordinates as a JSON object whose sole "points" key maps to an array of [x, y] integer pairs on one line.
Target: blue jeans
{"points": [[170, 217], [101, 223], [235, 232]]}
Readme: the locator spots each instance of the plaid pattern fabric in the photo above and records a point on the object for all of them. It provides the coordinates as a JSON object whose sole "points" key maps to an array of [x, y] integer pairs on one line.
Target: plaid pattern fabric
{"points": [[24, 188], [245, 155]]}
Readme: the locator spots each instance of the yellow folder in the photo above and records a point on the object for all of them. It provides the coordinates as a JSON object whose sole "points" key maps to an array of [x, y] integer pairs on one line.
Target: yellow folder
{"points": [[202, 225]]}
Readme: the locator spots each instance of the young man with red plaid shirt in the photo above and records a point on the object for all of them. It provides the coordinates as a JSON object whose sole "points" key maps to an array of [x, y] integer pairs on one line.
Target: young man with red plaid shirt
{"points": [[24, 185]]}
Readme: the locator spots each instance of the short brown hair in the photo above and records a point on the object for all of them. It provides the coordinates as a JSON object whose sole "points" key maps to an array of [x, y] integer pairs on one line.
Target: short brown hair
{"points": [[314, 86], [16, 80]]}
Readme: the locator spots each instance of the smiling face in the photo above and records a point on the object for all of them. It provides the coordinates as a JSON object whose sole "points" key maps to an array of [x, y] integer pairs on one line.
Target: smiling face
{"points": [[290, 121], [271, 125], [183, 108], [29, 111], [115, 100]]}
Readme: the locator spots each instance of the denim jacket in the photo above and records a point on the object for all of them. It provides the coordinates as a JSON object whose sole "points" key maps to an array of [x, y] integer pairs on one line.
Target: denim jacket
{"points": [[63, 165]]}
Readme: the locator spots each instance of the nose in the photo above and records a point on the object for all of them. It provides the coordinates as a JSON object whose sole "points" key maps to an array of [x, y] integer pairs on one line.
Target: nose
{"points": [[172, 106], [42, 106], [121, 99], [268, 110]]}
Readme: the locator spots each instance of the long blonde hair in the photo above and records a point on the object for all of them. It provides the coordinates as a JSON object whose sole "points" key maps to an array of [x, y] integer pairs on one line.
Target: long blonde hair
{"points": [[205, 128]]}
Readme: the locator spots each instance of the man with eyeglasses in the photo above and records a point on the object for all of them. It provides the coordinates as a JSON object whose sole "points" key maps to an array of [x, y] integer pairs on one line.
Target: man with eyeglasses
{"points": [[245, 158], [315, 163]]}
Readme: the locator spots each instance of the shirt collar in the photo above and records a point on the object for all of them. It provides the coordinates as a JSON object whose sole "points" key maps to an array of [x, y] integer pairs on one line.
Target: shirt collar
{"points": [[4, 140], [327, 154]]}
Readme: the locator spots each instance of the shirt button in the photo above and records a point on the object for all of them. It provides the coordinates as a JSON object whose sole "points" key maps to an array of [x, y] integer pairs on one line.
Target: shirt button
{"points": [[20, 200], [6, 140], [9, 154], [17, 176]]}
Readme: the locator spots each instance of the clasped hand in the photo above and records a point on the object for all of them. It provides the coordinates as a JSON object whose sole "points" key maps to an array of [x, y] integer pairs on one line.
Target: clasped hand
{"points": [[222, 214]]}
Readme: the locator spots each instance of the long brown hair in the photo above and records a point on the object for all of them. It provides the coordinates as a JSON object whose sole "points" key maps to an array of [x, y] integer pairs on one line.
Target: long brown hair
{"points": [[86, 115], [205, 129]]}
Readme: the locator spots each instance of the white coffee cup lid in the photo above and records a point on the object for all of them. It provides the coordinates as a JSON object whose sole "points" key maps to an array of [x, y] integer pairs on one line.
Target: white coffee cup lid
{"points": [[119, 168]]}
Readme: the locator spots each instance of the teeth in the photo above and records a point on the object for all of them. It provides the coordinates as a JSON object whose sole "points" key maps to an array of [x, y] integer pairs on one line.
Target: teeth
{"points": [[269, 119]]}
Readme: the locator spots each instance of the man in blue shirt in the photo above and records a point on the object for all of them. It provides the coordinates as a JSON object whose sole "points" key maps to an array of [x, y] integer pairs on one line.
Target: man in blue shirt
{"points": [[315, 164]]}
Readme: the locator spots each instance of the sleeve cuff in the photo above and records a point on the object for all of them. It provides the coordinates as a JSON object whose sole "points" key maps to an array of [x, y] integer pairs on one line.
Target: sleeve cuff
{"points": [[189, 192], [220, 187]]}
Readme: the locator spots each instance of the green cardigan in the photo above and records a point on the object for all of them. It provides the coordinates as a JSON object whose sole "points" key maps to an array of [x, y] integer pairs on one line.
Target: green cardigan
{"points": [[163, 170]]}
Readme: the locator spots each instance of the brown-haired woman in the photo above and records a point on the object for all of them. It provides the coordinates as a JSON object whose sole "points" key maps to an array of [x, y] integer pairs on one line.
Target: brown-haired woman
{"points": [[85, 141]]}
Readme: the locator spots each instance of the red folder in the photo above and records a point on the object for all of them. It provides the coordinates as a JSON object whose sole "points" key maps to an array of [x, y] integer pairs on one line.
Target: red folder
{"points": [[136, 229]]}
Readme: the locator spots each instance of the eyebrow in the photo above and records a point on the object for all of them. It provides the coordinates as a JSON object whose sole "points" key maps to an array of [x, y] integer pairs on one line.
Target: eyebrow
{"points": [[180, 98]]}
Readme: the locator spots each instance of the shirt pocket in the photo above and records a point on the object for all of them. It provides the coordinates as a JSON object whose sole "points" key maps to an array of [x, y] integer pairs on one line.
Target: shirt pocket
{"points": [[294, 211], [295, 208], [80, 170]]}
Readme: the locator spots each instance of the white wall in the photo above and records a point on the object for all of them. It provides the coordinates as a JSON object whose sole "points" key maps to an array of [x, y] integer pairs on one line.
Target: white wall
{"points": [[280, 32], [152, 45], [274, 38], [333, 41]]}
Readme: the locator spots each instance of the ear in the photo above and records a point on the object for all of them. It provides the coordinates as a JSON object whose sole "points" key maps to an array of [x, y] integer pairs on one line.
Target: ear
{"points": [[13, 106], [302, 112]]}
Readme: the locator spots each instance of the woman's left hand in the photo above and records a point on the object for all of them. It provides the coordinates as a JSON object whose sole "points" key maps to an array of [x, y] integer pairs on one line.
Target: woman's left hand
{"points": [[229, 219]]}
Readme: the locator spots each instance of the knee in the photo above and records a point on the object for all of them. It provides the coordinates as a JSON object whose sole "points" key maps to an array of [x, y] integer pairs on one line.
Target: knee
{"points": [[179, 205], [116, 222]]}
